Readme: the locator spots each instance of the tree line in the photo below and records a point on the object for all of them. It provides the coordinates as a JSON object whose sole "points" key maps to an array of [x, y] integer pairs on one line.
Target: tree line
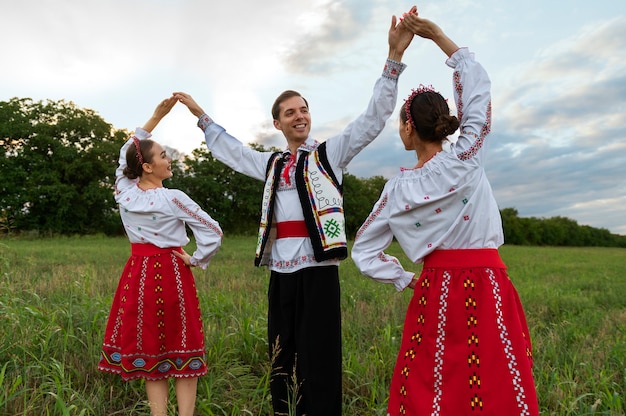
{"points": [[58, 165]]}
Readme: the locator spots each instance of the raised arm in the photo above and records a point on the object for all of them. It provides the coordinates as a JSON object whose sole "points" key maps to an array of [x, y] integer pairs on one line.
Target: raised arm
{"points": [[472, 88], [343, 147], [472, 95], [160, 111], [224, 147]]}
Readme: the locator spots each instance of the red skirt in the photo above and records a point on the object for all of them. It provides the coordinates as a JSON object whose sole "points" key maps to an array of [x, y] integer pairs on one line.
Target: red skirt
{"points": [[465, 345], [154, 330]]}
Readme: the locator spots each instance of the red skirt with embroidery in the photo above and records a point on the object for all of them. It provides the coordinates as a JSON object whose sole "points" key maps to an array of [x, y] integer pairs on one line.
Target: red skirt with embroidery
{"points": [[465, 346], [154, 330]]}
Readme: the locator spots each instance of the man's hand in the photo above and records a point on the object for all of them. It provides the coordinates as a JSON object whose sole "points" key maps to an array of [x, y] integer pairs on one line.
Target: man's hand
{"points": [[191, 104]]}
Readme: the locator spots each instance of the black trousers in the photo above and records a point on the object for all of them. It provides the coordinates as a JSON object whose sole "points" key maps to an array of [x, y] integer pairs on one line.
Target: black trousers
{"points": [[304, 334]]}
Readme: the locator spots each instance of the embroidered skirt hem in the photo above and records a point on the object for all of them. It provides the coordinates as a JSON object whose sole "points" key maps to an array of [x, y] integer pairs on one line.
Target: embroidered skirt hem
{"points": [[173, 364]]}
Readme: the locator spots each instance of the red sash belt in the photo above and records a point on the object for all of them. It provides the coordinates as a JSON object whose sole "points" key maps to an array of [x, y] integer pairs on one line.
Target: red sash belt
{"points": [[150, 249], [286, 229], [464, 258]]}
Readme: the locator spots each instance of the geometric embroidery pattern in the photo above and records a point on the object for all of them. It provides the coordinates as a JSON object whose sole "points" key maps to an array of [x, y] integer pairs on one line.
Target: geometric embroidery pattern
{"points": [[440, 342], [332, 228], [471, 304], [181, 302], [373, 215], [197, 217], [416, 339], [484, 131], [520, 396], [140, 308]]}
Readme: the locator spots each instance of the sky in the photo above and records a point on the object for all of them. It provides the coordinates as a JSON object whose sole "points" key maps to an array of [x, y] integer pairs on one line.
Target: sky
{"points": [[558, 72]]}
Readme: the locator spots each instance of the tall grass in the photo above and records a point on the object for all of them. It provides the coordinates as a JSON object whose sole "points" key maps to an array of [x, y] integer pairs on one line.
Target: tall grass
{"points": [[55, 296]]}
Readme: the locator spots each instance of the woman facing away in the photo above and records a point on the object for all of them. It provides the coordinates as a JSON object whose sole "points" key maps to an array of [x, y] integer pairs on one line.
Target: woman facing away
{"points": [[465, 344], [154, 331]]}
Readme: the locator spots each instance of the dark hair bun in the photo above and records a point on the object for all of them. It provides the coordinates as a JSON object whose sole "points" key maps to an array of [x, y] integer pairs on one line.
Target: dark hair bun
{"points": [[445, 125], [129, 173]]}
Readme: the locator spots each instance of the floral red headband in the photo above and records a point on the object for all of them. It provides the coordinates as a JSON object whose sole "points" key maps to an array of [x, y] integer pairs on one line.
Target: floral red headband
{"points": [[138, 148], [414, 93]]}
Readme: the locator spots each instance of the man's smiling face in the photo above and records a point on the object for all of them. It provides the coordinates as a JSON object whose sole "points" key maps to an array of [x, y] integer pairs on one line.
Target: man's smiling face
{"points": [[294, 120]]}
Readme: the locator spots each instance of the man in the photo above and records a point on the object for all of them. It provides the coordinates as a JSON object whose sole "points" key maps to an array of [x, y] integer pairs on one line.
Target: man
{"points": [[302, 236]]}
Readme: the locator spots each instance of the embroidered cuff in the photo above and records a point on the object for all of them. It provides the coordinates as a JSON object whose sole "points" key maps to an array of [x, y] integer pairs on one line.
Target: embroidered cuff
{"points": [[141, 134], [405, 281], [458, 56], [204, 121], [198, 263], [393, 69]]}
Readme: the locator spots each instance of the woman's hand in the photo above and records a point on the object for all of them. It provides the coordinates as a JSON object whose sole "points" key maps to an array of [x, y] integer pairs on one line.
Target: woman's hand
{"points": [[164, 107], [429, 30], [186, 258], [160, 111], [421, 27]]}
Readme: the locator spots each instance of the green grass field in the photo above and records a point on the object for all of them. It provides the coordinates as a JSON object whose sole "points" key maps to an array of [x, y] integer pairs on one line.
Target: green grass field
{"points": [[55, 296]]}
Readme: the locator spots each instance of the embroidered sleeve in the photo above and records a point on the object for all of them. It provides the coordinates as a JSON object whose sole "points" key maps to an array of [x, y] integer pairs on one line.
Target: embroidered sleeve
{"points": [[472, 95], [343, 147], [368, 254], [206, 230]]}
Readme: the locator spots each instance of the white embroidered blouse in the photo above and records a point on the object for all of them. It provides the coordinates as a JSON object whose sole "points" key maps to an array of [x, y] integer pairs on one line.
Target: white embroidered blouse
{"points": [[446, 204], [158, 216], [289, 255]]}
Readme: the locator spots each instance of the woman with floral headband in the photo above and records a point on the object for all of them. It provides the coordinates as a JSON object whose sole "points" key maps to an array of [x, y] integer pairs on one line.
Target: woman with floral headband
{"points": [[465, 344], [154, 331]]}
